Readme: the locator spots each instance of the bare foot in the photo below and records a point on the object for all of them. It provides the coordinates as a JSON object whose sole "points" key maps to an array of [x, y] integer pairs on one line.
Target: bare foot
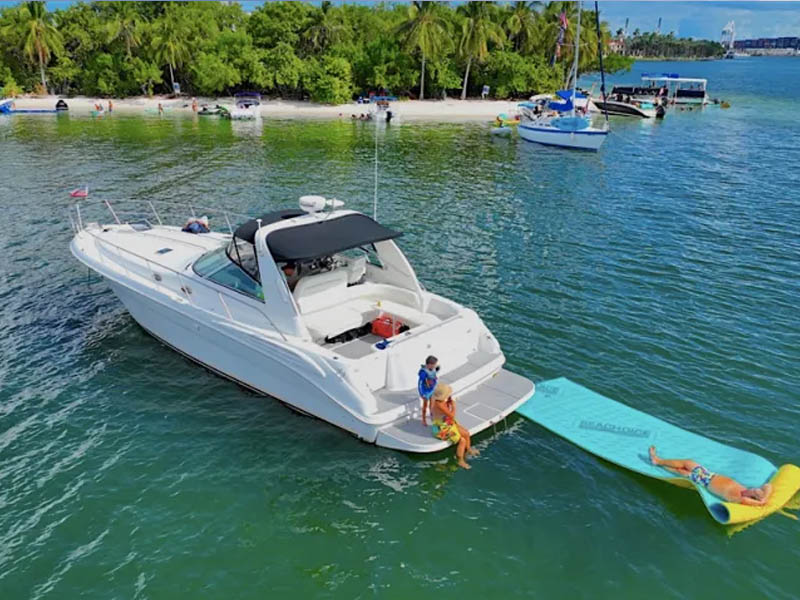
{"points": [[653, 457], [463, 464], [473, 452], [766, 490]]}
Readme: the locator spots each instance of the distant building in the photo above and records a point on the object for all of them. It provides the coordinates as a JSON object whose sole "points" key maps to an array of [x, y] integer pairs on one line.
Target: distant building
{"points": [[781, 45], [617, 45]]}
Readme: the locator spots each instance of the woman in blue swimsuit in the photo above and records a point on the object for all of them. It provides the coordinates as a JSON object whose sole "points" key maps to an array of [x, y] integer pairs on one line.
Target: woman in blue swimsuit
{"points": [[719, 485]]}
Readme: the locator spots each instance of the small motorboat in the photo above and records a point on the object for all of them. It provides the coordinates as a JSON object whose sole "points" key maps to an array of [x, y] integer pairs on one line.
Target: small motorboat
{"points": [[247, 106], [380, 109], [8, 107], [501, 130], [213, 111]]}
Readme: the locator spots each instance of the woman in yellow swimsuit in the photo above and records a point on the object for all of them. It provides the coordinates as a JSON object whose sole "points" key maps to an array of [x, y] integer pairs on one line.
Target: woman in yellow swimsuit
{"points": [[445, 427]]}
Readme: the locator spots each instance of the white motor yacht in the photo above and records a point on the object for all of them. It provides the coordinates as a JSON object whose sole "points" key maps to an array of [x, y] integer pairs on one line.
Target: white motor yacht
{"points": [[310, 340]]}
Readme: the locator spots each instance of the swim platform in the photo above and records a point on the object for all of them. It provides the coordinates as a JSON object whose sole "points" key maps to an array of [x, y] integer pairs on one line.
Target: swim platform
{"points": [[622, 435]]}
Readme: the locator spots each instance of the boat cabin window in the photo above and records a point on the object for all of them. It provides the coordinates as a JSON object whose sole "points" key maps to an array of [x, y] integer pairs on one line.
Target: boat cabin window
{"points": [[218, 267], [243, 254]]}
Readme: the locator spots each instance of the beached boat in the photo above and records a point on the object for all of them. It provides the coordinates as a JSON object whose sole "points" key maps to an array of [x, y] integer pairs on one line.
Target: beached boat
{"points": [[343, 342], [7, 107], [247, 106], [380, 108]]}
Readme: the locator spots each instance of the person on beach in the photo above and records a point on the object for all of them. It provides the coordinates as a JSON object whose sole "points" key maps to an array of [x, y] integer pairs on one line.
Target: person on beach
{"points": [[445, 427], [724, 487], [160, 109], [428, 378], [110, 105], [194, 104]]}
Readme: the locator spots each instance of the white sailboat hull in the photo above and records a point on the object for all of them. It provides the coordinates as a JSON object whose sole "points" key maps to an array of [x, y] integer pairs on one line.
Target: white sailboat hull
{"points": [[586, 139]]}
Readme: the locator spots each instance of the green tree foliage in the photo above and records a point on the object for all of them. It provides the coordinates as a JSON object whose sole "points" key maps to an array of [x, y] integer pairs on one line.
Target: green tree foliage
{"points": [[478, 30], [328, 80], [329, 52], [425, 30], [654, 45], [34, 32]]}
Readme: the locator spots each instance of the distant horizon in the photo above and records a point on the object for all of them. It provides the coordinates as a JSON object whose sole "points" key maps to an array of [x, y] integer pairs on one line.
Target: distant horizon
{"points": [[700, 19]]}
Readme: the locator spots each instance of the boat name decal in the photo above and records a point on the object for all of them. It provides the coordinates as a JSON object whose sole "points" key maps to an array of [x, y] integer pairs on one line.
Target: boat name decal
{"points": [[617, 429]]}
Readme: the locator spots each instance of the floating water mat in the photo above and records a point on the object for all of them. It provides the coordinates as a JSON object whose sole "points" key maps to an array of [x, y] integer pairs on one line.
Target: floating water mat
{"points": [[622, 435]]}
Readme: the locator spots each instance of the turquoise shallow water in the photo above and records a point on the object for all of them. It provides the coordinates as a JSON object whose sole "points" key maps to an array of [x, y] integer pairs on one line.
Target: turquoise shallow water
{"points": [[662, 272]]}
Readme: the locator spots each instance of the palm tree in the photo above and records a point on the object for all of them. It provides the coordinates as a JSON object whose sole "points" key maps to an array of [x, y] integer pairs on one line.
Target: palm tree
{"points": [[126, 25], [425, 30], [41, 39], [477, 31], [522, 25], [327, 30], [169, 41]]}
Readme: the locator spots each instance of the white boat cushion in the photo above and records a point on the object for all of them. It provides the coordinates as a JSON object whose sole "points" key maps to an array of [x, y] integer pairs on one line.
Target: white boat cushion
{"points": [[333, 321], [356, 268], [317, 292]]}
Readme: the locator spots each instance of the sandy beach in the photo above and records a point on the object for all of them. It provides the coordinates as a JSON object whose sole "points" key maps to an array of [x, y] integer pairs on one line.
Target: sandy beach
{"points": [[417, 110]]}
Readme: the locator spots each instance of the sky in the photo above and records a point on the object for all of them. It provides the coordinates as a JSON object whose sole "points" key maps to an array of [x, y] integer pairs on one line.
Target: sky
{"points": [[701, 19], [706, 19]]}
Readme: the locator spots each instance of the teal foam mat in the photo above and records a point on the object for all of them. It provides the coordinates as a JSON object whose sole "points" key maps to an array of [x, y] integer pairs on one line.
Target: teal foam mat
{"points": [[622, 435]]}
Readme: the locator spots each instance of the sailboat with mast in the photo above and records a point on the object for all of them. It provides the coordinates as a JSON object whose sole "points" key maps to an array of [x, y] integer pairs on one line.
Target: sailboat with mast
{"points": [[559, 124]]}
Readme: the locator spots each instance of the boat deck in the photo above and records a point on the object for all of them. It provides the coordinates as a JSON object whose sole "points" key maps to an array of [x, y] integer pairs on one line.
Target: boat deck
{"points": [[476, 410]]}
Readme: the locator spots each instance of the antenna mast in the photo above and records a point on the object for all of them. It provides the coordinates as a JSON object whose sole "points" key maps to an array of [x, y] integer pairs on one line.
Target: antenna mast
{"points": [[375, 196], [575, 63]]}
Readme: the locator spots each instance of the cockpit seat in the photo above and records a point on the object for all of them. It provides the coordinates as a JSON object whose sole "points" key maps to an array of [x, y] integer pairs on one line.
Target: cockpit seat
{"points": [[356, 268], [316, 292]]}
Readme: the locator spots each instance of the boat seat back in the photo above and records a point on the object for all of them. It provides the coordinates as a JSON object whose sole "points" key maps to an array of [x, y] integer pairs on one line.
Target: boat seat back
{"points": [[316, 292], [356, 268]]}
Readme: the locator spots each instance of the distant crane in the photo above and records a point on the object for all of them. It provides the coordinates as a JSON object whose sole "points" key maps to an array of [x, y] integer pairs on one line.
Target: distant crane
{"points": [[727, 39]]}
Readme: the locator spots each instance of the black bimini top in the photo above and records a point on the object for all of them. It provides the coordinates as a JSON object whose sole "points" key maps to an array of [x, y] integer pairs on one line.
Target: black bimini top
{"points": [[247, 231], [326, 237]]}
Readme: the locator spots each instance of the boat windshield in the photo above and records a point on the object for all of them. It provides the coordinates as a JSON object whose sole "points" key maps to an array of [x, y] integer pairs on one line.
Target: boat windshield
{"points": [[243, 254], [218, 267]]}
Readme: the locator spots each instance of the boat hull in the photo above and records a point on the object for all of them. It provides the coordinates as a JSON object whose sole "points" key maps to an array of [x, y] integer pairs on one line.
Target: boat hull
{"points": [[590, 139], [179, 314], [623, 109]]}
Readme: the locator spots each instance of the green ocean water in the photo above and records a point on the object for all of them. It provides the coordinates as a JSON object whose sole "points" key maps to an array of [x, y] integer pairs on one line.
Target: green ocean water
{"points": [[663, 271]]}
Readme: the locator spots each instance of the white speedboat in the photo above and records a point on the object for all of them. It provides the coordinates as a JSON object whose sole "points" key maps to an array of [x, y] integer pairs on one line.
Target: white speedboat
{"points": [[381, 110], [314, 343], [247, 106]]}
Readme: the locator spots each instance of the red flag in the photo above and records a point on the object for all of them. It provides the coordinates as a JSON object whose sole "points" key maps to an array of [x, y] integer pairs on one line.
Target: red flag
{"points": [[80, 192], [563, 18]]}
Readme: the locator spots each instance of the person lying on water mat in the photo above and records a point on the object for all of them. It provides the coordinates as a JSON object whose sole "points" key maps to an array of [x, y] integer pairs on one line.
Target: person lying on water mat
{"points": [[726, 488]]}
